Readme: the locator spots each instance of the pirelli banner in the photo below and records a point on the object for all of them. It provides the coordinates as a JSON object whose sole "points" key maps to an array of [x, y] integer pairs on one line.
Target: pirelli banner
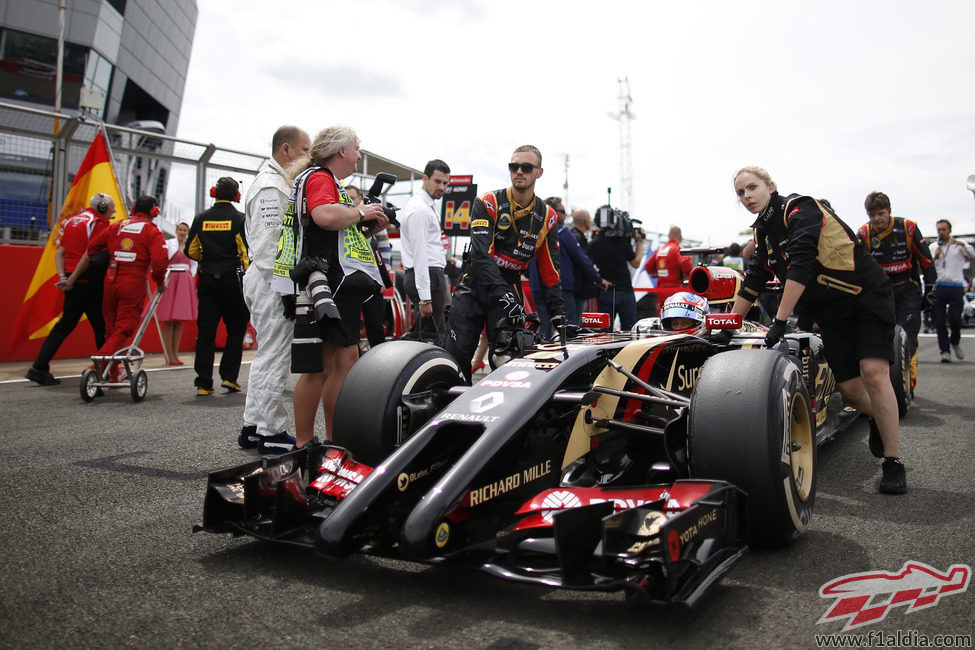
{"points": [[457, 204]]}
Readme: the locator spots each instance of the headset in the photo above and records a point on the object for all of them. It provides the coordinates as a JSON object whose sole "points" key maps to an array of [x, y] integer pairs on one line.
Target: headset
{"points": [[213, 190], [153, 213], [102, 205]]}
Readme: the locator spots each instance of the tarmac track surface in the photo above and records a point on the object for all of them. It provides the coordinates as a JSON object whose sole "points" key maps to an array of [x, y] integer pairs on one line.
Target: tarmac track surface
{"points": [[98, 501]]}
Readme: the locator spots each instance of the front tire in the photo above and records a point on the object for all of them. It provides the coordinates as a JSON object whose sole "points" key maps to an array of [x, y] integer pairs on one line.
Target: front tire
{"points": [[751, 424], [900, 371], [389, 394]]}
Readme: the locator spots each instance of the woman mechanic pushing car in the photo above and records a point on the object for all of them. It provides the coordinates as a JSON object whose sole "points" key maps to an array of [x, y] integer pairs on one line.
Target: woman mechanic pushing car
{"points": [[828, 274]]}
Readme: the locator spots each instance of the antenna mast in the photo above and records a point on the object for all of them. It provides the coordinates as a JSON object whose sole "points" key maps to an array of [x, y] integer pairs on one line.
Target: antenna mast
{"points": [[626, 165]]}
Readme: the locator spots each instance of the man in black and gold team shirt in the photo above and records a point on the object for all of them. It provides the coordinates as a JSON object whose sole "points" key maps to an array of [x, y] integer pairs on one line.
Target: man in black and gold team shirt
{"points": [[218, 243]]}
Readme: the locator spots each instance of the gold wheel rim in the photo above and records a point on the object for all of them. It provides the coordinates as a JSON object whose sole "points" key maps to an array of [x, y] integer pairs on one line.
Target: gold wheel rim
{"points": [[801, 435]]}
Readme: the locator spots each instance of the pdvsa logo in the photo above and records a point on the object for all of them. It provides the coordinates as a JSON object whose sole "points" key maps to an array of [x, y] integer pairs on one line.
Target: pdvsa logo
{"points": [[866, 598]]}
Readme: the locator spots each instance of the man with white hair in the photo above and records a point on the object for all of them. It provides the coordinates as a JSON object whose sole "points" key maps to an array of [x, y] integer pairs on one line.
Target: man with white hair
{"points": [[85, 296]]}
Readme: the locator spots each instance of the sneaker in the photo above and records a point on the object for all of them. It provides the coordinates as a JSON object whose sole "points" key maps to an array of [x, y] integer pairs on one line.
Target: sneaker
{"points": [[959, 353], [874, 441], [42, 377], [248, 437], [945, 357], [894, 480], [230, 386], [279, 443], [203, 392], [314, 442]]}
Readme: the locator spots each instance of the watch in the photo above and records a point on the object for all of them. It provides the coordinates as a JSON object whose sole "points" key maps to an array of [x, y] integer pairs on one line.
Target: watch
{"points": [[362, 213]]}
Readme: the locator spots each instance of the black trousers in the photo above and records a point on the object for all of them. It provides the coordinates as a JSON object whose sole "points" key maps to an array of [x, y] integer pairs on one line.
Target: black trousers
{"points": [[907, 305], [439, 298], [85, 298], [220, 297]]}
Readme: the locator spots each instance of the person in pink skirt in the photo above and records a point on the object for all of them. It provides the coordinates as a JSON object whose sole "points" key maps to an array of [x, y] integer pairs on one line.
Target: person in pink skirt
{"points": [[179, 302]]}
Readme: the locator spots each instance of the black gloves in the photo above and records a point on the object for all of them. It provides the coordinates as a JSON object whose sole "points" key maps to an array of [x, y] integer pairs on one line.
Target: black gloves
{"points": [[722, 337], [927, 300], [511, 308], [775, 333], [288, 303]]}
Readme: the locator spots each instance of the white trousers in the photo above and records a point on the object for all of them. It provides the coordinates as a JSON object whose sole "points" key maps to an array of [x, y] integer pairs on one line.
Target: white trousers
{"points": [[264, 405]]}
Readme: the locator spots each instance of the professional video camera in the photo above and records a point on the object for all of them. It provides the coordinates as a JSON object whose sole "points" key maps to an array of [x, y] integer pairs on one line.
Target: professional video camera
{"points": [[373, 196], [616, 223], [310, 272]]}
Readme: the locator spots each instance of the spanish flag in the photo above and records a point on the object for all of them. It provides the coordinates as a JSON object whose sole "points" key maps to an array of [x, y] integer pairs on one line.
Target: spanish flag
{"points": [[43, 302]]}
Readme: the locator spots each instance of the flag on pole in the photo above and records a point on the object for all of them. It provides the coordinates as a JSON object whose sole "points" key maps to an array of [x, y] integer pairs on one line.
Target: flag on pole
{"points": [[43, 302]]}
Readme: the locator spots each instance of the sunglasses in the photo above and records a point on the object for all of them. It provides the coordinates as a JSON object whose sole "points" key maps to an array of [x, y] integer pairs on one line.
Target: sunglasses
{"points": [[524, 167]]}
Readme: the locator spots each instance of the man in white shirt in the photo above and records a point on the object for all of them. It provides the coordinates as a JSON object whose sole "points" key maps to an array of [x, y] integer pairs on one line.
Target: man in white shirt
{"points": [[950, 258], [265, 412], [423, 252]]}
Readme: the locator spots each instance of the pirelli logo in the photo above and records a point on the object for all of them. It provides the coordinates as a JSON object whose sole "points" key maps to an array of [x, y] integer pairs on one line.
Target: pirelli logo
{"points": [[216, 225]]}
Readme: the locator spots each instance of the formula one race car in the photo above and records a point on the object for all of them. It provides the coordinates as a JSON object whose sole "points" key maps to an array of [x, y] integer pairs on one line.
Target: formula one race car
{"points": [[645, 462]]}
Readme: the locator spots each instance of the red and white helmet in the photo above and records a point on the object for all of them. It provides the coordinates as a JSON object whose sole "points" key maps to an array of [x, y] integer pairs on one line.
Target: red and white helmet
{"points": [[684, 304]]}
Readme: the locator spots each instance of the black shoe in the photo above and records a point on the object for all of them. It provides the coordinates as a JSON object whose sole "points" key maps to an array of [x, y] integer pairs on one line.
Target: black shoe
{"points": [[279, 443], [42, 377], [874, 440], [894, 480], [248, 437], [230, 386]]}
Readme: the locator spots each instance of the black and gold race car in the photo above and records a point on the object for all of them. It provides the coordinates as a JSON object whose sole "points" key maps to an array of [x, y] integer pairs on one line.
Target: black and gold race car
{"points": [[646, 462]]}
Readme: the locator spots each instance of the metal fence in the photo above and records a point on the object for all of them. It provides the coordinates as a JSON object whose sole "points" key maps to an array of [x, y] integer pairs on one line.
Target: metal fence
{"points": [[40, 152]]}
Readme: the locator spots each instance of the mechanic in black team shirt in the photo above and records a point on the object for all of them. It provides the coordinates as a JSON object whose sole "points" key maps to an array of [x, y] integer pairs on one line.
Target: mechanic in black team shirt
{"points": [[508, 228], [903, 254], [832, 277]]}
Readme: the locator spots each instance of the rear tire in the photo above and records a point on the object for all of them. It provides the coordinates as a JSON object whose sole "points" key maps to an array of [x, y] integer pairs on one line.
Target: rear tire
{"points": [[751, 424], [88, 389], [900, 371], [389, 394], [140, 386]]}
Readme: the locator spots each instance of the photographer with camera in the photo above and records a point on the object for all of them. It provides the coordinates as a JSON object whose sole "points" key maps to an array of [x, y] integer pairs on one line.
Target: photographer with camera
{"points": [[615, 245], [337, 270], [509, 227]]}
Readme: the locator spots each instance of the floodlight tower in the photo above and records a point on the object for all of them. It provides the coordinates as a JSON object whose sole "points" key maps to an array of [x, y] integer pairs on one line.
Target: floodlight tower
{"points": [[626, 164]]}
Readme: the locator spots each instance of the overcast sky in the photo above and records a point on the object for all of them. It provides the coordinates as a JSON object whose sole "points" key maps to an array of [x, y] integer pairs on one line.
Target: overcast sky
{"points": [[835, 98]]}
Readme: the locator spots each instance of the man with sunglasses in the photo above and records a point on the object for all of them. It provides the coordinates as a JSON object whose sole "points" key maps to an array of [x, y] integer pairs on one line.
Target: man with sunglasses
{"points": [[509, 227]]}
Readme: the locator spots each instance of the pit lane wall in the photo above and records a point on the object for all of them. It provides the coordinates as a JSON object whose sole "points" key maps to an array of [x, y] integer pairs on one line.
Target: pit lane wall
{"points": [[19, 263]]}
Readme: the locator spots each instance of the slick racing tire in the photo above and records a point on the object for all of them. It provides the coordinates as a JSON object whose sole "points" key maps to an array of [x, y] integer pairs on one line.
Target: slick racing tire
{"points": [[750, 423], [89, 391], [389, 394], [900, 371], [140, 386]]}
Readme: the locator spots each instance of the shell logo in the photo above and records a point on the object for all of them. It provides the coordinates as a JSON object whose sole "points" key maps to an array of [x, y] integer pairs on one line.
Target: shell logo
{"points": [[126, 244]]}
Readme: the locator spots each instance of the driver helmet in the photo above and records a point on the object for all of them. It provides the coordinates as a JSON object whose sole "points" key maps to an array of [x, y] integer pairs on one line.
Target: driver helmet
{"points": [[684, 312]]}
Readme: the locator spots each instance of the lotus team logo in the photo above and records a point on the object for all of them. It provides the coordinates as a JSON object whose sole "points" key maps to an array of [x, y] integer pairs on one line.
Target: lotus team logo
{"points": [[865, 598]]}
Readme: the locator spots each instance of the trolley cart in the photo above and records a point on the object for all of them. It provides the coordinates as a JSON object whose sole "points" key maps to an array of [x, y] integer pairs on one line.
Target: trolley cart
{"points": [[98, 377]]}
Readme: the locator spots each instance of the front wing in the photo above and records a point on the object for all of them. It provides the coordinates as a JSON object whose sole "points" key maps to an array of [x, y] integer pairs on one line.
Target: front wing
{"points": [[670, 543]]}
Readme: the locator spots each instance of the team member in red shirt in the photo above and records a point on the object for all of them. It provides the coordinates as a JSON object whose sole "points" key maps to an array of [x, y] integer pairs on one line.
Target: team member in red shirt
{"points": [[84, 296], [135, 245], [667, 264]]}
